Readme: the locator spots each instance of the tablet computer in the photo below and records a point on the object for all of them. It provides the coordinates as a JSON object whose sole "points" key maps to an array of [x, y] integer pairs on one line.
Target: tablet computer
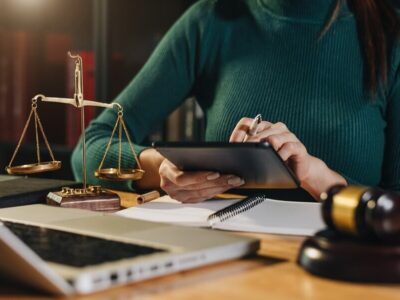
{"points": [[257, 163]]}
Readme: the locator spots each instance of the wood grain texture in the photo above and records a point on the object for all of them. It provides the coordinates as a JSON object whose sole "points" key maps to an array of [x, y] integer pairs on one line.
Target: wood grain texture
{"points": [[271, 274]]}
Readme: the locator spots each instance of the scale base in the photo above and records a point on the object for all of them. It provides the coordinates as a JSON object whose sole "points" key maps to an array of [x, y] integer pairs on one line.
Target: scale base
{"points": [[92, 198], [329, 254]]}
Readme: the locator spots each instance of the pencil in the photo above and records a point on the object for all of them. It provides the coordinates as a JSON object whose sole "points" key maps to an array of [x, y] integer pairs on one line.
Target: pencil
{"points": [[253, 127]]}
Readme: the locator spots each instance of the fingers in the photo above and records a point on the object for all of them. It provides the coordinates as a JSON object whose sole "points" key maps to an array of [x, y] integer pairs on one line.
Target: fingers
{"points": [[194, 186], [288, 146], [198, 195], [201, 191], [279, 139], [292, 150], [242, 128], [223, 180], [180, 178], [267, 128], [277, 135]]}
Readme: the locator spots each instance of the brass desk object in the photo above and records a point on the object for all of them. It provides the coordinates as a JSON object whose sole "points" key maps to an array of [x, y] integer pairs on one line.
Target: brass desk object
{"points": [[119, 173], [39, 166], [88, 197]]}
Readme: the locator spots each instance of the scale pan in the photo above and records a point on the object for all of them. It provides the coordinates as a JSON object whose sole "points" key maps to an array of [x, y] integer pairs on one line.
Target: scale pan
{"points": [[118, 175], [34, 168]]}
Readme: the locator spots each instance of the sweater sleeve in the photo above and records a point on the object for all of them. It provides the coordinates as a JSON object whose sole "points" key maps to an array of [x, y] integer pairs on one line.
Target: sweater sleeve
{"points": [[164, 82], [391, 164]]}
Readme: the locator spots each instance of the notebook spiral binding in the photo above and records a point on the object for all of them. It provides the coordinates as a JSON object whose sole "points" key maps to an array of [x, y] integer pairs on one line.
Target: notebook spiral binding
{"points": [[234, 210]]}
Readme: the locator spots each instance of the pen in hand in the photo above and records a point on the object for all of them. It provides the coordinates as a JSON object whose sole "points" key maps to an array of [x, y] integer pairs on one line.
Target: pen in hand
{"points": [[253, 127]]}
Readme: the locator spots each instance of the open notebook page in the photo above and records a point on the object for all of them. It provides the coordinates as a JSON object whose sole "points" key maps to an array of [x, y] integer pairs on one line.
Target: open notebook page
{"points": [[269, 216], [167, 210], [280, 217]]}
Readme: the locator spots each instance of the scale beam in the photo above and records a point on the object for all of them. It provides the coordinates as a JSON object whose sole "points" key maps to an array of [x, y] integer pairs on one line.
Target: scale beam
{"points": [[74, 103]]}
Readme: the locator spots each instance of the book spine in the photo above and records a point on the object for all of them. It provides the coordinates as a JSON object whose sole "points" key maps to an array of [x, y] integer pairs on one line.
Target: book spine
{"points": [[4, 85], [19, 100], [23, 199]]}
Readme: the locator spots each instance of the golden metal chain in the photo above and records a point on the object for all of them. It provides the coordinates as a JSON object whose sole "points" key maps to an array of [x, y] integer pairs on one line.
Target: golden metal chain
{"points": [[44, 137], [37, 122], [120, 123], [131, 145], [109, 144], [37, 137], [119, 142], [23, 135]]}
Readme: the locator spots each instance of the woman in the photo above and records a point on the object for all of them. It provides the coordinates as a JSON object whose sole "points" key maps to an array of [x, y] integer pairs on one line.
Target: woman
{"points": [[323, 74]]}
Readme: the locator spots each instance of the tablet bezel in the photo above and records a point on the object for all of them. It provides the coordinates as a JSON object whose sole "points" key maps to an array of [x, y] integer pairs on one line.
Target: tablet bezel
{"points": [[243, 158]]}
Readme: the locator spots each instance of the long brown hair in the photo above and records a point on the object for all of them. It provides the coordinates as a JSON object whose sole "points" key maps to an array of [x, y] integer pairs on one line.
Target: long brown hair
{"points": [[378, 28]]}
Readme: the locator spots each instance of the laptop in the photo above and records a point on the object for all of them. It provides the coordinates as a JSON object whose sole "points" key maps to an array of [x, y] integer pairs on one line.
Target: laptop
{"points": [[68, 251]]}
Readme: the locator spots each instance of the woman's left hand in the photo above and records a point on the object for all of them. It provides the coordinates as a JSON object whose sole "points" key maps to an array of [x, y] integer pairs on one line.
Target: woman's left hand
{"points": [[313, 173]]}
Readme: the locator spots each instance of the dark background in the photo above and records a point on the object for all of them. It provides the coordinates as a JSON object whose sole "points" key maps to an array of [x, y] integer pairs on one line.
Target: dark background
{"points": [[34, 37]]}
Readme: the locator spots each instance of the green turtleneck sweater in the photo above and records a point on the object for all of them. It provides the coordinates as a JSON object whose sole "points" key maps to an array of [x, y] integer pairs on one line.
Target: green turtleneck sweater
{"points": [[265, 57]]}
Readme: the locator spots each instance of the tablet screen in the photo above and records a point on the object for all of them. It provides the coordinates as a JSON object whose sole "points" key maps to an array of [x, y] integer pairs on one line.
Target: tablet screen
{"points": [[257, 163]]}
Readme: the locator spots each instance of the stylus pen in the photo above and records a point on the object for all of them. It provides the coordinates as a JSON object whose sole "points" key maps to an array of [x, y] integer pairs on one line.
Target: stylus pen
{"points": [[253, 127]]}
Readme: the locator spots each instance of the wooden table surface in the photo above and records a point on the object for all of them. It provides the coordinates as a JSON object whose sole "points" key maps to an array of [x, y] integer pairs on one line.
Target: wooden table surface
{"points": [[271, 274]]}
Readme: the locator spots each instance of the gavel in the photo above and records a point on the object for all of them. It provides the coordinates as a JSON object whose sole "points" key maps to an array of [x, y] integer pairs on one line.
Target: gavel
{"points": [[366, 212]]}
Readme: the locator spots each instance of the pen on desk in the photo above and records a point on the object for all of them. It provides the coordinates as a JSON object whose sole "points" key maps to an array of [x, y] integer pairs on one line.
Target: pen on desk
{"points": [[143, 198], [253, 127]]}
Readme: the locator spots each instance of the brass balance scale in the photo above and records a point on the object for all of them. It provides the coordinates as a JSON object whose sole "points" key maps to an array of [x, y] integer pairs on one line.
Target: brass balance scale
{"points": [[89, 196]]}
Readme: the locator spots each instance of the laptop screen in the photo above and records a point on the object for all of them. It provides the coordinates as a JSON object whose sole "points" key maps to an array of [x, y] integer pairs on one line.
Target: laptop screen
{"points": [[74, 249]]}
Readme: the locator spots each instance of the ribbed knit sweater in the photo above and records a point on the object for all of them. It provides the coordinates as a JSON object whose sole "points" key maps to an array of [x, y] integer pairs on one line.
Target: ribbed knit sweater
{"points": [[265, 56]]}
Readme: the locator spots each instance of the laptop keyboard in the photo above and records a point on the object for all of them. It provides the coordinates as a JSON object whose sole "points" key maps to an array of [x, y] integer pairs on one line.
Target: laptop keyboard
{"points": [[75, 249]]}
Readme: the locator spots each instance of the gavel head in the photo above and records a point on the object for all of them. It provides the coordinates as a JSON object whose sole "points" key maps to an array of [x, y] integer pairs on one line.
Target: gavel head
{"points": [[365, 212]]}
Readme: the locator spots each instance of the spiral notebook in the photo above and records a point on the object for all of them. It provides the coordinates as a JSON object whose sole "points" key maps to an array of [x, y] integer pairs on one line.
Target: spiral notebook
{"points": [[253, 214]]}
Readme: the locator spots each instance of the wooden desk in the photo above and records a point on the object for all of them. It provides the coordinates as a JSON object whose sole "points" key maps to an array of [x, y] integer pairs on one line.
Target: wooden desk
{"points": [[271, 274]]}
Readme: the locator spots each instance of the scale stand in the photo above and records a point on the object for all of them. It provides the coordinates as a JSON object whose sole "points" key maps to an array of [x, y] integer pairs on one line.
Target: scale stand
{"points": [[87, 197]]}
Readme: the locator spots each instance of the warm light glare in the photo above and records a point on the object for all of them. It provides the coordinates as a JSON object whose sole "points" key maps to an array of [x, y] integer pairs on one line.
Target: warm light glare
{"points": [[28, 3], [28, 9]]}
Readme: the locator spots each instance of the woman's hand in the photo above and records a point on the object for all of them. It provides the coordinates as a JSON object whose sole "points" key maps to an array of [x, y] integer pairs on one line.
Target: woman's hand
{"points": [[313, 173], [194, 187]]}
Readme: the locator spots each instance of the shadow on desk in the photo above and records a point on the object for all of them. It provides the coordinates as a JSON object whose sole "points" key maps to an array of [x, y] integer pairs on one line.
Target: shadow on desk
{"points": [[13, 290]]}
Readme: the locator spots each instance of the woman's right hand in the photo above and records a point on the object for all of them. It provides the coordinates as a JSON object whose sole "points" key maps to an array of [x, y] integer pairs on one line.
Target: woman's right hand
{"points": [[192, 187]]}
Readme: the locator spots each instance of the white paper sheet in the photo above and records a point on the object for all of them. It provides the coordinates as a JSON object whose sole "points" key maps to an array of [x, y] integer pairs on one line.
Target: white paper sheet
{"points": [[270, 216], [168, 210]]}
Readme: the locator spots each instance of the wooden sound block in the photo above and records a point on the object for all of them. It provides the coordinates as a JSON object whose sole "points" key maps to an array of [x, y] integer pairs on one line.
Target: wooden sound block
{"points": [[329, 254], [93, 198]]}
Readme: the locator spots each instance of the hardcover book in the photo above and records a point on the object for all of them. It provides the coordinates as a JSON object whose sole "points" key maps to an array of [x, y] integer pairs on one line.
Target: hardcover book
{"points": [[16, 190]]}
